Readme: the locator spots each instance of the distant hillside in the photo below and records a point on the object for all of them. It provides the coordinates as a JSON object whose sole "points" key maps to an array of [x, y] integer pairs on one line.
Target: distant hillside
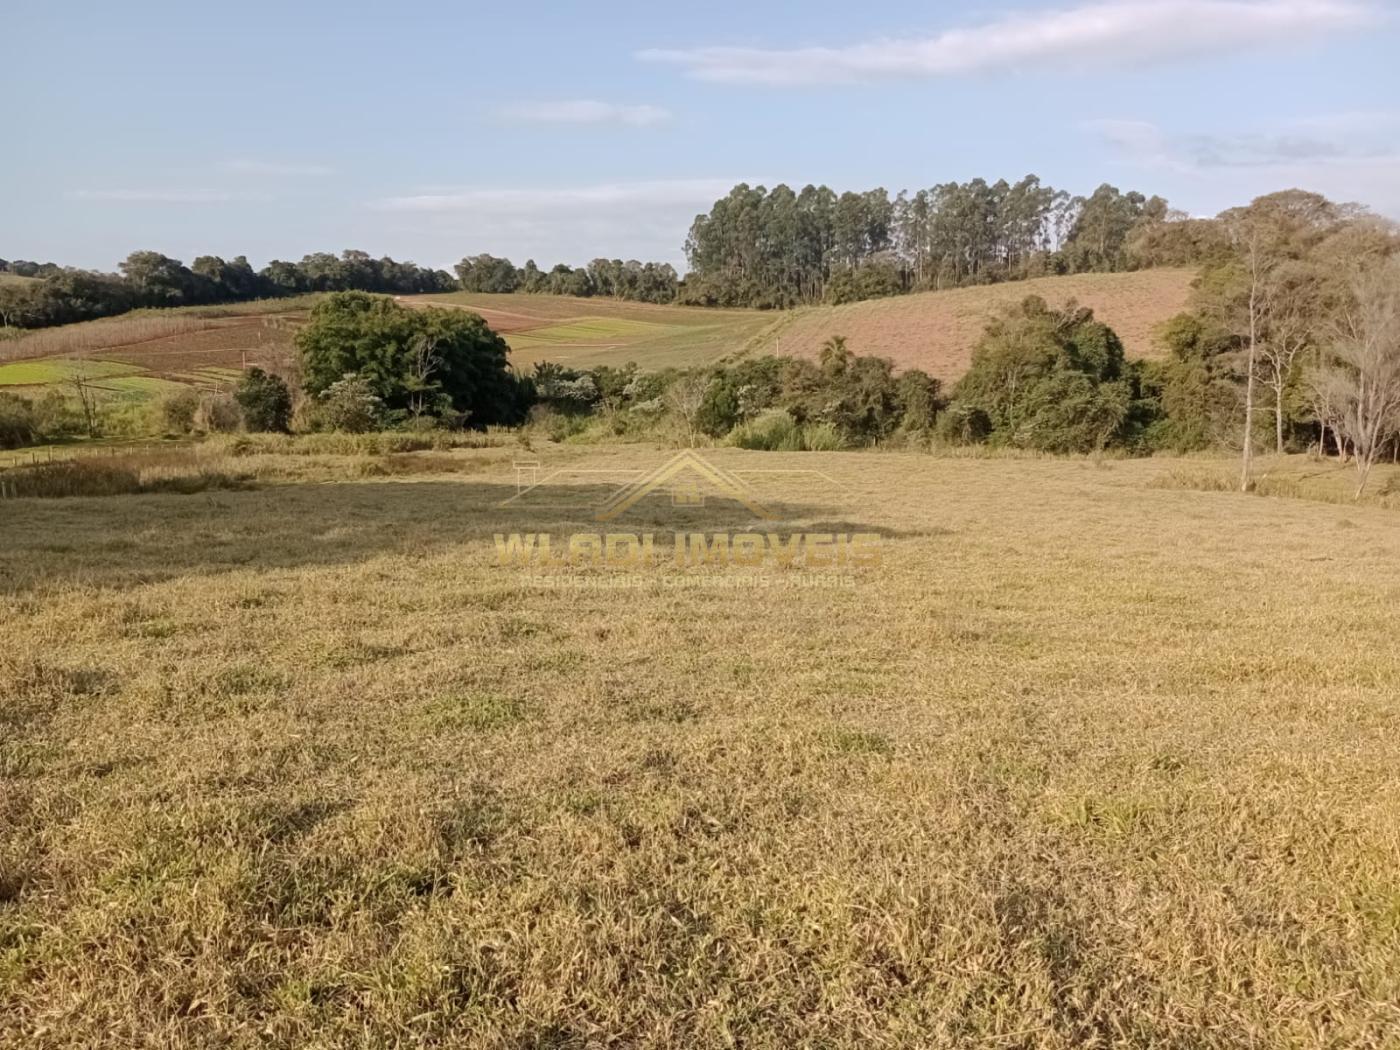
{"points": [[936, 331], [146, 353], [582, 333]]}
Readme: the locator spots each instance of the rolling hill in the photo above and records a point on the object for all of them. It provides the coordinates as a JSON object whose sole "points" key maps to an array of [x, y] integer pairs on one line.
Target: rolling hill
{"points": [[582, 333], [934, 331], [143, 353]]}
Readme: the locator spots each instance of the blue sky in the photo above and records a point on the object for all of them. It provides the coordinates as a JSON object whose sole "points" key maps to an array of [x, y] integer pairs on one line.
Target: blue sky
{"points": [[565, 131]]}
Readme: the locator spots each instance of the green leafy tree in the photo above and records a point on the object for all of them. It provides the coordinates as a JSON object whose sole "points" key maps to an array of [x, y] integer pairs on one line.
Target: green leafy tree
{"points": [[1054, 380], [918, 400], [382, 343]]}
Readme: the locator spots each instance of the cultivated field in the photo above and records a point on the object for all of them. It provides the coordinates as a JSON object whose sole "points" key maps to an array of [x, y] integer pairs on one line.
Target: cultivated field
{"points": [[150, 352], [1087, 760], [582, 333], [936, 331]]}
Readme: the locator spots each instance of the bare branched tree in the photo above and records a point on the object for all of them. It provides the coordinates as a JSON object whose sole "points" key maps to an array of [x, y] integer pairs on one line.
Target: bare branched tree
{"points": [[423, 362], [686, 397], [80, 379], [1289, 308], [1359, 378], [1255, 265]]}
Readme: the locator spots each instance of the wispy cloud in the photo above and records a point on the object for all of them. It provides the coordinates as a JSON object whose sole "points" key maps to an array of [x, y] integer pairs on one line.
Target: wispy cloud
{"points": [[640, 219], [1352, 157], [1122, 32], [273, 169], [645, 194], [586, 111], [165, 196]]}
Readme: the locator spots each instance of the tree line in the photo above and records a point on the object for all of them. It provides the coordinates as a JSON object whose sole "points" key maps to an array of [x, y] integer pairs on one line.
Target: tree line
{"points": [[150, 279], [610, 278], [779, 248], [755, 247]]}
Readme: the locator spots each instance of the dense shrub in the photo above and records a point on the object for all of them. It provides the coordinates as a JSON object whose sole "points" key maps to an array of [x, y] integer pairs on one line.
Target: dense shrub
{"points": [[1047, 379], [178, 411], [218, 414], [265, 401], [416, 362], [777, 431], [350, 404], [17, 423]]}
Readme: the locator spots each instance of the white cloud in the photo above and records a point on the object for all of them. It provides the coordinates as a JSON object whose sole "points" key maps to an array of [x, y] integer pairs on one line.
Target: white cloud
{"points": [[1348, 157], [246, 166], [1123, 32], [617, 195], [586, 111], [162, 196], [643, 220]]}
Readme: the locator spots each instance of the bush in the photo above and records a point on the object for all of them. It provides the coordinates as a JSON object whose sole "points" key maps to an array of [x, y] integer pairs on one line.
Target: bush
{"points": [[1051, 380], [963, 425], [776, 431], [218, 414], [18, 426], [265, 401], [351, 405], [822, 437], [178, 411]]}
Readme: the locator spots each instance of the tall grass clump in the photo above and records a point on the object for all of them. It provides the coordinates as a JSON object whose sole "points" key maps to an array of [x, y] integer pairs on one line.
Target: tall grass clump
{"points": [[182, 472], [336, 443], [776, 431]]}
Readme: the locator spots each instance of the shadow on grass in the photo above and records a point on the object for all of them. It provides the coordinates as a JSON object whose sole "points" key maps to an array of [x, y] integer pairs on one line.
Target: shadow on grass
{"points": [[125, 541]]}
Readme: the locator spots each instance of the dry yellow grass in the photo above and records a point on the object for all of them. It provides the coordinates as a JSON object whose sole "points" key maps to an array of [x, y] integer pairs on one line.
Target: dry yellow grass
{"points": [[1083, 762]]}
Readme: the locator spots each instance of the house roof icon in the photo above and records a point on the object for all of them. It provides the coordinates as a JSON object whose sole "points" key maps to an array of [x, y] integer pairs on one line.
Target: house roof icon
{"points": [[687, 477]]}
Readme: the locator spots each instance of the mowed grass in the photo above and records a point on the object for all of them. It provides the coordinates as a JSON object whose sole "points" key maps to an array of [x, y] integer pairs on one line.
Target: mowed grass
{"points": [[1083, 762], [936, 331]]}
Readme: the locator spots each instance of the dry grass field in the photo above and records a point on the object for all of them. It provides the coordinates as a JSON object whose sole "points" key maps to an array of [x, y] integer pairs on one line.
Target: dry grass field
{"points": [[936, 331], [1087, 760]]}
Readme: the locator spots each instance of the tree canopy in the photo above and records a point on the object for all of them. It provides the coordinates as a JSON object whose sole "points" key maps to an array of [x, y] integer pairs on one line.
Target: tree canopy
{"points": [[1048, 379], [443, 363]]}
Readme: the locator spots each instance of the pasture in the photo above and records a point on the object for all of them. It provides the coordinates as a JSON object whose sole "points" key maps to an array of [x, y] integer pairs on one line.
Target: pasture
{"points": [[1090, 758]]}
